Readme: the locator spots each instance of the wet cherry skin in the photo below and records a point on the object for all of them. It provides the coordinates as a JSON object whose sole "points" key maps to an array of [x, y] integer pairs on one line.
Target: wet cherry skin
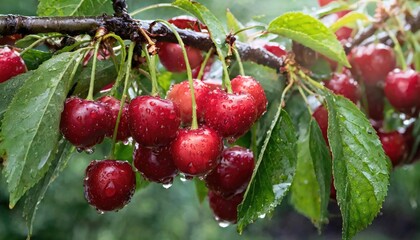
{"points": [[153, 121], [321, 116], [275, 49], [344, 84], [394, 145], [225, 210], [196, 151], [11, 64], [247, 84], [231, 176], [113, 106], [109, 184], [155, 164]]}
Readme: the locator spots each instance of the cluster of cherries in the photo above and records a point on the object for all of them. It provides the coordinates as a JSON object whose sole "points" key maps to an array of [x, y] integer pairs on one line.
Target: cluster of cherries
{"points": [[374, 67]]}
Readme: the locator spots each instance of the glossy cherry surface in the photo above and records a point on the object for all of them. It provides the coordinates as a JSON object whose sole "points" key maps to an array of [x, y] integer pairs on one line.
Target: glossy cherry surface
{"points": [[11, 64], [394, 146], [344, 84], [247, 84], [224, 210], [171, 57], [113, 106], [321, 117]]}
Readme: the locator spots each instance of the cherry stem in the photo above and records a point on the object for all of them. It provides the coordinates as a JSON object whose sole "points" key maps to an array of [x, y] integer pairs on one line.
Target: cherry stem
{"points": [[397, 48], [76, 66], [121, 67], [93, 72], [248, 28], [238, 59], [151, 62], [39, 41], [226, 80], [204, 63], [194, 123], [302, 93], [123, 98], [155, 6]]}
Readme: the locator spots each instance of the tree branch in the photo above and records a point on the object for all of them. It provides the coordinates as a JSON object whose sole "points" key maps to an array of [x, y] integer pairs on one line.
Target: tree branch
{"points": [[128, 29]]}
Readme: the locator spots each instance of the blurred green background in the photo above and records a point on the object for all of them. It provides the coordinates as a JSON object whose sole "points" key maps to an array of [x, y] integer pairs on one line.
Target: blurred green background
{"points": [[158, 213]]}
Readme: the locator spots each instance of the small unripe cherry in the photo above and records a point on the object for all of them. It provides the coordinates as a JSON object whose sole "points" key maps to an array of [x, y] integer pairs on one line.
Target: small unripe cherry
{"points": [[153, 121], [11, 64], [109, 184], [196, 151], [155, 164], [231, 176]]}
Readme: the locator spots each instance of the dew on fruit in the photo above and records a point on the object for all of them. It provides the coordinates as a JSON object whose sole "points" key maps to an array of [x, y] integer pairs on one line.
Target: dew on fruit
{"points": [[89, 150], [224, 224], [167, 185], [100, 211], [110, 189]]}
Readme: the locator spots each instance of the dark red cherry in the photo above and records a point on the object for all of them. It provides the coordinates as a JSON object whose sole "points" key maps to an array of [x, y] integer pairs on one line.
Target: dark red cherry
{"points": [[83, 123], [402, 88], [343, 33], [247, 84], [344, 84], [187, 22], [375, 99], [373, 62], [225, 210], [394, 146], [109, 184], [10, 39], [153, 121], [231, 176], [180, 95], [275, 49], [230, 114], [155, 164], [171, 57], [196, 151], [11, 64], [113, 105], [321, 117]]}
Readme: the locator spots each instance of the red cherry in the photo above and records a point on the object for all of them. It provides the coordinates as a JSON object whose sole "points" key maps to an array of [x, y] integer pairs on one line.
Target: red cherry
{"points": [[109, 184], [84, 122], [10, 39], [230, 114], [324, 2], [11, 64], [171, 57], [375, 100], [113, 106], [247, 84], [155, 164], [231, 176], [344, 84], [373, 62], [321, 117], [394, 146], [153, 121], [343, 33], [180, 95], [225, 210], [196, 151], [187, 22], [275, 49], [402, 88]]}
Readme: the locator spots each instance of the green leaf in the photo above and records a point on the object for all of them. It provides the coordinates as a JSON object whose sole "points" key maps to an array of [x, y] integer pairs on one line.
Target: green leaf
{"points": [[33, 58], [32, 120], [74, 7], [348, 20], [332, 7], [360, 167], [321, 160], [36, 194], [9, 88], [215, 27], [200, 189], [311, 33], [416, 135], [273, 173], [234, 25]]}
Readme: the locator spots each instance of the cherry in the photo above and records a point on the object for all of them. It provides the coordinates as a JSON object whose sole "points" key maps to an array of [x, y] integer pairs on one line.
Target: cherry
{"points": [[275, 48], [187, 22], [343, 33], [196, 151], [155, 164], [109, 184], [171, 57], [153, 121], [324, 2], [180, 95], [230, 114], [213, 83], [344, 84], [394, 146], [10, 39], [402, 88], [11, 64], [247, 84], [225, 210], [321, 117], [373, 62], [375, 99], [113, 105], [84, 122], [231, 176]]}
